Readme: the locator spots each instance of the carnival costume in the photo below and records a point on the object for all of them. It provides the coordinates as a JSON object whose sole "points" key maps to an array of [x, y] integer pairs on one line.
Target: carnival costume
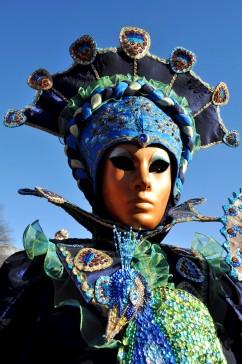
{"points": [[121, 296]]}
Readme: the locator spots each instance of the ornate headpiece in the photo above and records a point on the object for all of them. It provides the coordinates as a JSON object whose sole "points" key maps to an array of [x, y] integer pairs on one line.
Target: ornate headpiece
{"points": [[126, 94]]}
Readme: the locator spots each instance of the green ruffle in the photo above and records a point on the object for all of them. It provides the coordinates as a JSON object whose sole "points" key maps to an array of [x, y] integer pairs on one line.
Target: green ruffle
{"points": [[212, 251], [36, 243], [151, 262], [107, 81]]}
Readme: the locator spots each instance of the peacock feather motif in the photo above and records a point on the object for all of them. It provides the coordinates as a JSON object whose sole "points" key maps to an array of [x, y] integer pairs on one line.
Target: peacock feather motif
{"points": [[156, 324]]}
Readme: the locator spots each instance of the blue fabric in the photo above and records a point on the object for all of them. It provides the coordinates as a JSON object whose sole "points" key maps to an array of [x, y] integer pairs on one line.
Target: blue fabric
{"points": [[124, 121]]}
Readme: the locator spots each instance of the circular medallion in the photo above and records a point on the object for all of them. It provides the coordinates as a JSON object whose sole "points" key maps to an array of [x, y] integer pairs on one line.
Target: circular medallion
{"points": [[182, 60], [40, 79], [188, 269], [14, 118], [231, 138], [135, 42], [90, 260], [84, 50]]}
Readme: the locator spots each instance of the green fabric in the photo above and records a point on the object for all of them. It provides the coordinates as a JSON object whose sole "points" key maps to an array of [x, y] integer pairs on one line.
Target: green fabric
{"points": [[93, 330], [151, 262], [36, 243], [212, 251], [52, 264]]}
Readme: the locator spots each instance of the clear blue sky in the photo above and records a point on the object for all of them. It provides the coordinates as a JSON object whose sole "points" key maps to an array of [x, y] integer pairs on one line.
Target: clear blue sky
{"points": [[38, 34]]}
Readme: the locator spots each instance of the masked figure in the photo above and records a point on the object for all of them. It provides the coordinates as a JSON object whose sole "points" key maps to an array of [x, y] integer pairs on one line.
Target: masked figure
{"points": [[131, 123]]}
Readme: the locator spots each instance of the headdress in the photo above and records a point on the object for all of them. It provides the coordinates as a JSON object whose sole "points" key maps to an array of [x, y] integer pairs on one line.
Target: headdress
{"points": [[124, 94]]}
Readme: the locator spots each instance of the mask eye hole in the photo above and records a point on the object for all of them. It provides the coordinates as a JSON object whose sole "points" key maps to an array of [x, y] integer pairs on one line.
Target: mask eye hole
{"points": [[158, 166], [122, 162]]}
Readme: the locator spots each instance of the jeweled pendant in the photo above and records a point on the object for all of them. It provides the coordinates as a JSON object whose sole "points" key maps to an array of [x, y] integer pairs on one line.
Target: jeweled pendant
{"points": [[182, 60], [231, 138], [14, 118], [84, 50], [220, 94], [91, 260], [143, 139], [40, 79], [135, 42], [188, 269]]}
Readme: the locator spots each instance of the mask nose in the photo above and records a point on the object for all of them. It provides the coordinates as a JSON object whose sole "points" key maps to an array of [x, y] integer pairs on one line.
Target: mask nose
{"points": [[142, 180]]}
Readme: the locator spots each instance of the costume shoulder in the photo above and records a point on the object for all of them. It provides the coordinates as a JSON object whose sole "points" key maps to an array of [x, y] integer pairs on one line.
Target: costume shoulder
{"points": [[213, 285], [21, 278]]}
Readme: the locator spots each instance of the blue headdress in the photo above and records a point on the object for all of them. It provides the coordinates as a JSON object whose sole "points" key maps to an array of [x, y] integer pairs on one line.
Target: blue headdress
{"points": [[126, 94]]}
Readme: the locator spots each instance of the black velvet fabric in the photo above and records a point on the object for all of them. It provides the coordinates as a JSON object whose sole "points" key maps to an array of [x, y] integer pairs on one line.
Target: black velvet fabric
{"points": [[49, 104]]}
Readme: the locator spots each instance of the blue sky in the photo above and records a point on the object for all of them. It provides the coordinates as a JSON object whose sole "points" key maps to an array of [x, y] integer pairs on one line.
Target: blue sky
{"points": [[38, 34]]}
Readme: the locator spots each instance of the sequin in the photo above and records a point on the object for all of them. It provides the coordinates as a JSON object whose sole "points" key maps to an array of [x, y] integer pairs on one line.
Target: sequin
{"points": [[189, 327], [102, 293]]}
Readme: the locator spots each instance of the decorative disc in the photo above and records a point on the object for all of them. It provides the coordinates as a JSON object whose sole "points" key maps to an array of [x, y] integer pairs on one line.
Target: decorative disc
{"points": [[231, 138], [188, 269], [84, 50], [220, 94], [51, 196], [14, 118], [90, 260], [40, 79], [182, 60], [135, 42]]}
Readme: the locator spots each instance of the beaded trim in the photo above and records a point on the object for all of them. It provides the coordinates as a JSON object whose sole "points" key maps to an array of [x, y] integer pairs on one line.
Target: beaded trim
{"points": [[232, 231], [51, 196]]}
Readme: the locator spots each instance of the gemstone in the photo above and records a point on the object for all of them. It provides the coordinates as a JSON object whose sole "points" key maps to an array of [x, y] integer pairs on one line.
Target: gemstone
{"points": [[182, 60], [143, 139]]}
